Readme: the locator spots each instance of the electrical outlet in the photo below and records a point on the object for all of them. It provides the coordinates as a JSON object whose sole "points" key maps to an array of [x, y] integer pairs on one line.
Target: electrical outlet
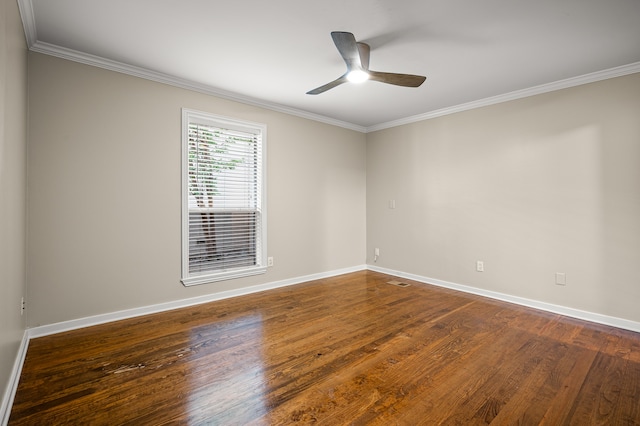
{"points": [[561, 278], [480, 266], [269, 261], [22, 306]]}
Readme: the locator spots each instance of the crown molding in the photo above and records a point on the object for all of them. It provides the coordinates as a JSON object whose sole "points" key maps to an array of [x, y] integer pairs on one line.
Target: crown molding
{"points": [[85, 58], [28, 21], [518, 94], [97, 61], [29, 24]]}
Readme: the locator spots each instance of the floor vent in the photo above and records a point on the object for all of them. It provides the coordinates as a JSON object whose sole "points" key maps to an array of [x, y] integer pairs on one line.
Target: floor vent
{"points": [[398, 283]]}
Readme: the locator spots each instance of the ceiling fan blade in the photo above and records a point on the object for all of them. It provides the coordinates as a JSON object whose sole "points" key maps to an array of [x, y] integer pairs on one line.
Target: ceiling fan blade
{"points": [[356, 55], [365, 51], [331, 85], [348, 48], [406, 80]]}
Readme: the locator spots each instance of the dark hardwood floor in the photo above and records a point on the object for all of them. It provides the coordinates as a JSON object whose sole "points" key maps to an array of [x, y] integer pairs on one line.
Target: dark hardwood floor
{"points": [[345, 350]]}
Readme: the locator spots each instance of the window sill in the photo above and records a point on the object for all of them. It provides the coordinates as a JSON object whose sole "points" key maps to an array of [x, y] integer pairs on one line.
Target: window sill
{"points": [[207, 278]]}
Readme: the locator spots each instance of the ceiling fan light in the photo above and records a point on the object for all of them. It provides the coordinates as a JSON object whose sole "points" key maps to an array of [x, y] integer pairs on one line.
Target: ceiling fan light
{"points": [[357, 76]]}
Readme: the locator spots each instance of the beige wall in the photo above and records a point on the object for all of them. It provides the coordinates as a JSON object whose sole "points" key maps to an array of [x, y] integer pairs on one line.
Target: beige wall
{"points": [[13, 142], [531, 187], [104, 192]]}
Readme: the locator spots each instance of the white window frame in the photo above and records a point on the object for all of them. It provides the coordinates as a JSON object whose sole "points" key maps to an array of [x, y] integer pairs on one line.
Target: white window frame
{"points": [[195, 278]]}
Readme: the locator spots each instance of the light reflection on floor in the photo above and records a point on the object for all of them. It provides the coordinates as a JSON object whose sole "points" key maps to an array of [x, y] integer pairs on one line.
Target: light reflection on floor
{"points": [[221, 391]]}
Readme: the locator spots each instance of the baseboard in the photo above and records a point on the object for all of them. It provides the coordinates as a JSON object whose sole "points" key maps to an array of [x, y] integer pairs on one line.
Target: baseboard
{"points": [[7, 401], [14, 378], [60, 327], [45, 330], [543, 306]]}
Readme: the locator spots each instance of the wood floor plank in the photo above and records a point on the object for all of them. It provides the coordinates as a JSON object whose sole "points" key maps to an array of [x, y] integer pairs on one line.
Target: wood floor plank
{"points": [[558, 409], [609, 394], [337, 351], [382, 368]]}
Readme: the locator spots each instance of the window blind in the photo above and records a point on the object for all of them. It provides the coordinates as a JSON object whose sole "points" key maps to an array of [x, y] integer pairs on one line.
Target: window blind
{"points": [[224, 187]]}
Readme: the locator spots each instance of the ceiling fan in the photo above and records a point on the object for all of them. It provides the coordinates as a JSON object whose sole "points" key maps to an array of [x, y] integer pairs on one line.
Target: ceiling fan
{"points": [[356, 56]]}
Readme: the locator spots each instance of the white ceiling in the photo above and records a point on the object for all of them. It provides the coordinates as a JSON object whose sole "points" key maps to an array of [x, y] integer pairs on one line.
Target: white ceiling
{"points": [[271, 52]]}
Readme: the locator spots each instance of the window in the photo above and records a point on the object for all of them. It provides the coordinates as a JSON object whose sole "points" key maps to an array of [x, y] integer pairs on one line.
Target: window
{"points": [[223, 200]]}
